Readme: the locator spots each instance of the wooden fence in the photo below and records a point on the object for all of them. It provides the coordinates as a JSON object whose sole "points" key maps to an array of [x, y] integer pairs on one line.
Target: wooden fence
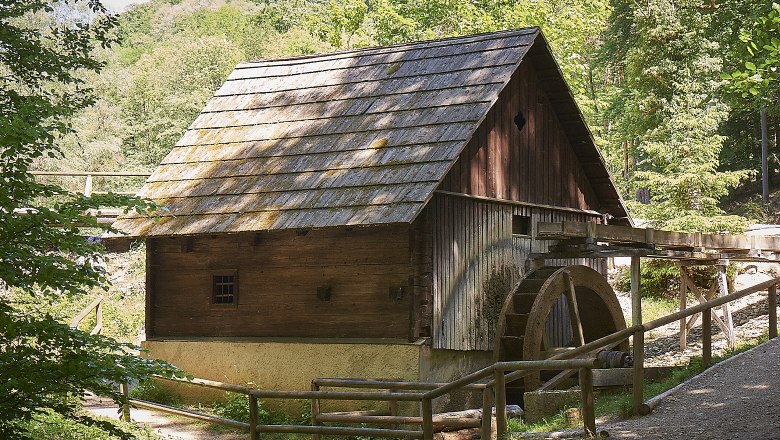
{"points": [[491, 381]]}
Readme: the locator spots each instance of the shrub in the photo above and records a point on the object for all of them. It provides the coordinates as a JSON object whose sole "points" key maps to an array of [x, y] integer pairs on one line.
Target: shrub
{"points": [[150, 390]]}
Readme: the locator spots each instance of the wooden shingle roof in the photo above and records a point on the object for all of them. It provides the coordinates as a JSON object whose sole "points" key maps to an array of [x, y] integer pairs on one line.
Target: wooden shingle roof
{"points": [[351, 138]]}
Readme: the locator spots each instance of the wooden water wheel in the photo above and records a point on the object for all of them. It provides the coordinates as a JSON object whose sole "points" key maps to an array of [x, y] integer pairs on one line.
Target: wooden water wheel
{"points": [[553, 309]]}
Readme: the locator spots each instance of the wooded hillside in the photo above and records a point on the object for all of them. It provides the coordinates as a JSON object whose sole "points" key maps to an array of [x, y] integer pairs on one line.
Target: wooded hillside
{"points": [[672, 89]]}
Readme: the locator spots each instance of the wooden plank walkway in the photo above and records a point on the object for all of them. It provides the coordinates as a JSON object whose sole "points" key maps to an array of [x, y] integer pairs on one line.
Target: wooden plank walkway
{"points": [[735, 399]]}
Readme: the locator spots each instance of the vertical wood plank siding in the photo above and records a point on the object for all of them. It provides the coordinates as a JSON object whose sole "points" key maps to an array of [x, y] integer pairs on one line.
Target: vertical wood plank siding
{"points": [[547, 169], [477, 260], [476, 257], [278, 275]]}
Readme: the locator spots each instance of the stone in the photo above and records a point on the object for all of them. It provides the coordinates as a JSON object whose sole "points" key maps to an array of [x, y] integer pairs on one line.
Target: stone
{"points": [[542, 404]]}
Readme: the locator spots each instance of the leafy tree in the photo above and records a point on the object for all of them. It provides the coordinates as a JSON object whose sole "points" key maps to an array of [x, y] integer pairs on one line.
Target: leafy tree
{"points": [[668, 110], [47, 48], [760, 76]]}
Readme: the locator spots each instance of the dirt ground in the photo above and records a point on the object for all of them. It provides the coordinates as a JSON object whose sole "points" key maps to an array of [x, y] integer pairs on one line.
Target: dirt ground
{"points": [[166, 427], [736, 399]]}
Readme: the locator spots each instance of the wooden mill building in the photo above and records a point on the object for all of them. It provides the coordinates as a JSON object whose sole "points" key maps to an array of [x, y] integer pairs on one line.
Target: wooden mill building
{"points": [[367, 214]]}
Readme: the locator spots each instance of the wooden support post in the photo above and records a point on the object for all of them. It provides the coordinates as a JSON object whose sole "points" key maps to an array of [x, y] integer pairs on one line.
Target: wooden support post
{"points": [[125, 390], [99, 318], [639, 337], [426, 411], [723, 291], [500, 390], [487, 413], [253, 419], [588, 411], [639, 371], [315, 410], [706, 338], [683, 305], [772, 304]]}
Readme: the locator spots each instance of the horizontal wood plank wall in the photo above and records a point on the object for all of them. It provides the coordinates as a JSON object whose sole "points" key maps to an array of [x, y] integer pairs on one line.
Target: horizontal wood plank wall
{"points": [[278, 275], [535, 164], [476, 262]]}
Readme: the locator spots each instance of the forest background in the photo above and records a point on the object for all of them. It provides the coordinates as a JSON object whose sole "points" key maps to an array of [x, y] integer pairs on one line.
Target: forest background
{"points": [[671, 89]]}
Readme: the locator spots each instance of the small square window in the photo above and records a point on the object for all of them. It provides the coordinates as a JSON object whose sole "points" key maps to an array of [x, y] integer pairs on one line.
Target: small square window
{"points": [[521, 225], [225, 289]]}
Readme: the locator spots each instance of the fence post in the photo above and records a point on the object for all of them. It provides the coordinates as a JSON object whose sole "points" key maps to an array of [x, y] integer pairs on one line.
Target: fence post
{"points": [[772, 304], [639, 370], [487, 413], [639, 336], [88, 186], [315, 410], [706, 338], [253, 419], [500, 390], [588, 411], [125, 390], [426, 411], [99, 318]]}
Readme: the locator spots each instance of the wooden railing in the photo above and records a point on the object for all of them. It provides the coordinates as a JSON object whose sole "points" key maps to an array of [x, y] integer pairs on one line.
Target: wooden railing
{"points": [[398, 391], [491, 381], [97, 306], [88, 175]]}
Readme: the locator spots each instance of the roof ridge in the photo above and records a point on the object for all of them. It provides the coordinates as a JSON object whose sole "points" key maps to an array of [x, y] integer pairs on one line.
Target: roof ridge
{"points": [[383, 49]]}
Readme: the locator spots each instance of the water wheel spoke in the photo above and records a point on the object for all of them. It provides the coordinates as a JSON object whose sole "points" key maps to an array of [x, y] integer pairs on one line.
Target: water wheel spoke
{"points": [[574, 311]]}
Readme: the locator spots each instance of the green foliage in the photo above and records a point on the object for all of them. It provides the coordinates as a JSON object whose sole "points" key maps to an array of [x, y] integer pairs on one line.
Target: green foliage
{"points": [[53, 426], [236, 406], [760, 74], [48, 48], [150, 390]]}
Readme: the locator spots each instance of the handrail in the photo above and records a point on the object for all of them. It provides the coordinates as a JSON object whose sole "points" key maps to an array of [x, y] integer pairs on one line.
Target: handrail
{"points": [[92, 173], [97, 306]]}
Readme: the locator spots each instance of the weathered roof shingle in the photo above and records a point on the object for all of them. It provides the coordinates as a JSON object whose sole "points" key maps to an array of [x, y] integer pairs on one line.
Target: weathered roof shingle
{"points": [[351, 138]]}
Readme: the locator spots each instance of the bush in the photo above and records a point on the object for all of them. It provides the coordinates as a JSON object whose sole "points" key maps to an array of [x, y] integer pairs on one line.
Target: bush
{"points": [[661, 278], [150, 390], [236, 407]]}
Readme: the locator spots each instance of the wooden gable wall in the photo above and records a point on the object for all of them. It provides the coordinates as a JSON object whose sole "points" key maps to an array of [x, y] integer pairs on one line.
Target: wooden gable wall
{"points": [[535, 164], [476, 258]]}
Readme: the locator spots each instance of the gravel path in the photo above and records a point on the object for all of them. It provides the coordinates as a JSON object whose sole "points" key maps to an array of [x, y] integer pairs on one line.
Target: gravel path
{"points": [[165, 426], [736, 399]]}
